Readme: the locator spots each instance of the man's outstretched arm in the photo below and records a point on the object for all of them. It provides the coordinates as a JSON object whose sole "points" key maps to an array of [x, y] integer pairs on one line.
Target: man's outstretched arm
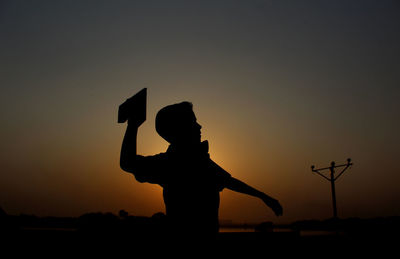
{"points": [[239, 186]]}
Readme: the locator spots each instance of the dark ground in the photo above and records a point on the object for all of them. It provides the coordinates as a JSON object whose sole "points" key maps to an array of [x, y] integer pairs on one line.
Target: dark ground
{"points": [[253, 244], [99, 234]]}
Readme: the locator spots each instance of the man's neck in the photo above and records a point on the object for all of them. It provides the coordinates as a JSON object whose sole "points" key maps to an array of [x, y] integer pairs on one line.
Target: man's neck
{"points": [[189, 146]]}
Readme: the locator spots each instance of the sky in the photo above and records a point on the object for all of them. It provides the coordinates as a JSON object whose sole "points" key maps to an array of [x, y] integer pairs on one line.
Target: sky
{"points": [[278, 86]]}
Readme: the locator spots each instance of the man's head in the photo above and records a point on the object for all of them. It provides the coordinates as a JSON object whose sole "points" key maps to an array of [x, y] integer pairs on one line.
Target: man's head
{"points": [[177, 124]]}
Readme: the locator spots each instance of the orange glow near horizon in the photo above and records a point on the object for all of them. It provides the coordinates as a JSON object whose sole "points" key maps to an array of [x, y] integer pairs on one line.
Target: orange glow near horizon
{"points": [[84, 174]]}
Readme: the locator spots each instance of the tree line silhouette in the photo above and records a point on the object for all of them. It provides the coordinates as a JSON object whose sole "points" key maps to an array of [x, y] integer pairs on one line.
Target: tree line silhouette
{"points": [[97, 222], [125, 232]]}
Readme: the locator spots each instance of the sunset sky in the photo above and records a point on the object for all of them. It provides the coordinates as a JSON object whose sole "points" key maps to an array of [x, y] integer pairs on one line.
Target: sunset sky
{"points": [[278, 86]]}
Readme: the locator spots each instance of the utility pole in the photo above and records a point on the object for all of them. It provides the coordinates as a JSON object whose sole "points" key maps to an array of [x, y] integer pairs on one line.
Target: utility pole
{"points": [[332, 179]]}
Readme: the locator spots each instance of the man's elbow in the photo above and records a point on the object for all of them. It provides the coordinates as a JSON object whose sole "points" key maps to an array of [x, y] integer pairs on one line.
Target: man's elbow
{"points": [[124, 167], [127, 166], [130, 169], [130, 165]]}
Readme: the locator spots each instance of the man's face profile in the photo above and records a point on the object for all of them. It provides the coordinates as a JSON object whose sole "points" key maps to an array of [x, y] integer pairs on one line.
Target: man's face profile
{"points": [[188, 130]]}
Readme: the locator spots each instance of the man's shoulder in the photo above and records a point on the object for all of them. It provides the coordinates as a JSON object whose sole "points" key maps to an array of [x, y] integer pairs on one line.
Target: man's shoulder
{"points": [[159, 156]]}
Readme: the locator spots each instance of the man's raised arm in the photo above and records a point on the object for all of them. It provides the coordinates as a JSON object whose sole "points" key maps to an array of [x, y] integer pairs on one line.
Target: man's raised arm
{"points": [[133, 110], [128, 149]]}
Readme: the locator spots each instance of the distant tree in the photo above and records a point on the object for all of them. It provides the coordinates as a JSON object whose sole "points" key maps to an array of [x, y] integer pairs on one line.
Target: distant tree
{"points": [[123, 214], [2, 212], [158, 215]]}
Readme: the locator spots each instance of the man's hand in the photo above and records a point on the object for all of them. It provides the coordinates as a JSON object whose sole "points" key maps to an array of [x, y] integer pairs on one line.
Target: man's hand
{"points": [[273, 204], [134, 109]]}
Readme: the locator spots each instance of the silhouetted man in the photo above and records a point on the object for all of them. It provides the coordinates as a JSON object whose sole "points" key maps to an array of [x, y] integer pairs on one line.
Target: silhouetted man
{"points": [[191, 181]]}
